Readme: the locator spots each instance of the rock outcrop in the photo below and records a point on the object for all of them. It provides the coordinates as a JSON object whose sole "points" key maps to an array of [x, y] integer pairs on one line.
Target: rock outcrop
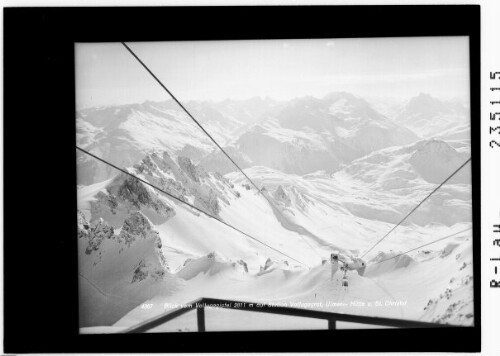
{"points": [[281, 196], [135, 228], [93, 233], [187, 181]]}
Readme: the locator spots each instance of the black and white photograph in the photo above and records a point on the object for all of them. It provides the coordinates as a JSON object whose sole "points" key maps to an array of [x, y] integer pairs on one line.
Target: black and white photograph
{"points": [[326, 174]]}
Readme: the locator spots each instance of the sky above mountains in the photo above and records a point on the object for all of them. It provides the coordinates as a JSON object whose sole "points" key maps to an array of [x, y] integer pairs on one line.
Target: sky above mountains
{"points": [[106, 74]]}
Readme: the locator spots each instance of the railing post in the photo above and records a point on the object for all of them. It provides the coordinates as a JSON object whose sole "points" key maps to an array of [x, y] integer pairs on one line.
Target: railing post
{"points": [[200, 315], [332, 324]]}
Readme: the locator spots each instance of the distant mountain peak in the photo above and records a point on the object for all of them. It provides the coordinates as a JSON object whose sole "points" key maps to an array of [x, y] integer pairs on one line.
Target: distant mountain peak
{"points": [[425, 103], [435, 146], [429, 116], [337, 95]]}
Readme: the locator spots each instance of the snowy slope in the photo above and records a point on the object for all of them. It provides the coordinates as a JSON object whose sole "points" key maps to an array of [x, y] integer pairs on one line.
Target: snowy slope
{"points": [[425, 289], [184, 231], [335, 176], [353, 206], [124, 134]]}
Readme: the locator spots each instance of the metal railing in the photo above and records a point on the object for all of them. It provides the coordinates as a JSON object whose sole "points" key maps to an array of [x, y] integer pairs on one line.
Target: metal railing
{"points": [[332, 318]]}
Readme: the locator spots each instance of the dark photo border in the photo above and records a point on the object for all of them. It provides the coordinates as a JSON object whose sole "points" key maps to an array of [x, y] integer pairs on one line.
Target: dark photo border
{"points": [[40, 245]]}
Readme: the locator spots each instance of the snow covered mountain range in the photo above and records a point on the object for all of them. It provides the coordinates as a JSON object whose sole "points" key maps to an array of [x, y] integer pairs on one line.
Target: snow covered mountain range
{"points": [[301, 136], [335, 174]]}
